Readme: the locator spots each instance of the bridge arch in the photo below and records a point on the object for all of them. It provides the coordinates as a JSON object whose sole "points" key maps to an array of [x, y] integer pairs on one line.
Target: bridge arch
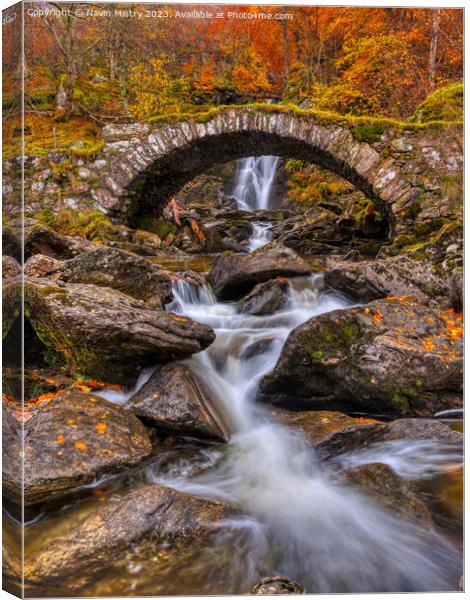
{"points": [[145, 164]]}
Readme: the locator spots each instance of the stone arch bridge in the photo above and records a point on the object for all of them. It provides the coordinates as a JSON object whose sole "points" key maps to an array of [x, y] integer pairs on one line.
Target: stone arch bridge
{"points": [[407, 170]]}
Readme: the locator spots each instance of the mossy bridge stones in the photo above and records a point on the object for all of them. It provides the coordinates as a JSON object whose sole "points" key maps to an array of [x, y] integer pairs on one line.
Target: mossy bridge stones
{"points": [[413, 172]]}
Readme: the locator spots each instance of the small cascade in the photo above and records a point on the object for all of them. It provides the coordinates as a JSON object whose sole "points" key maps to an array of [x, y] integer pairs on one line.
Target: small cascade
{"points": [[261, 235], [187, 293]]}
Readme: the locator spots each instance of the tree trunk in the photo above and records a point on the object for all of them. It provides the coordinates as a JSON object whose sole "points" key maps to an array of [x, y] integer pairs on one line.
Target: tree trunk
{"points": [[436, 16], [286, 49]]}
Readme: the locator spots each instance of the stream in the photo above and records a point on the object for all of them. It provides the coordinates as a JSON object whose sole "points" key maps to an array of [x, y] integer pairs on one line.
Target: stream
{"points": [[304, 522]]}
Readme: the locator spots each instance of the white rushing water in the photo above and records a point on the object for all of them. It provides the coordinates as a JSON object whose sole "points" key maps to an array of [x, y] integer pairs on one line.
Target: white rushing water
{"points": [[261, 235], [313, 528], [254, 180]]}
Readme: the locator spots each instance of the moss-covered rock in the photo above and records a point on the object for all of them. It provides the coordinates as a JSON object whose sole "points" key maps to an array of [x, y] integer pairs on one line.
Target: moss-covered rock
{"points": [[94, 226], [397, 276], [393, 356], [106, 334]]}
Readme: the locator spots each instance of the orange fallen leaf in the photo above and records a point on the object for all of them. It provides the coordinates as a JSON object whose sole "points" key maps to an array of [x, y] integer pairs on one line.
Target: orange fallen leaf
{"points": [[80, 446], [101, 427], [60, 439]]}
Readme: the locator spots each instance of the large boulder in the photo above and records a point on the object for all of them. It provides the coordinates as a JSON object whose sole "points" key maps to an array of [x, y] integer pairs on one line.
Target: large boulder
{"points": [[397, 276], [314, 232], [153, 520], [108, 267], [233, 276], [106, 334], [123, 271], [393, 356], [265, 298], [175, 401], [69, 442]]}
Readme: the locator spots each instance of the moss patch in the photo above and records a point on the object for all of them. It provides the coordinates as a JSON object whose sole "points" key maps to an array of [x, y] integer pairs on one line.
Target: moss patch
{"points": [[443, 104], [368, 133]]}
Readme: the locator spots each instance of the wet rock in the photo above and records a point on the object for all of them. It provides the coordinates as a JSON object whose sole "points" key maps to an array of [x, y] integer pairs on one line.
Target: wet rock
{"points": [[10, 267], [275, 585], [392, 356], [233, 276], [360, 435], [106, 334], [256, 348], [71, 441], [417, 429], [330, 432], [315, 232], [379, 481], [265, 298], [456, 289], [397, 276], [175, 401], [123, 271], [142, 522], [43, 266]]}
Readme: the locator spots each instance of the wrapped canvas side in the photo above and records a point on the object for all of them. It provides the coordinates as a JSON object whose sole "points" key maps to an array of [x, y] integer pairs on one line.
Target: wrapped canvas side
{"points": [[13, 415]]}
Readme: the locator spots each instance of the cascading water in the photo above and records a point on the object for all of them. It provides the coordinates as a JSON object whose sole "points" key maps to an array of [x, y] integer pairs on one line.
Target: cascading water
{"points": [[314, 529], [254, 180], [261, 235]]}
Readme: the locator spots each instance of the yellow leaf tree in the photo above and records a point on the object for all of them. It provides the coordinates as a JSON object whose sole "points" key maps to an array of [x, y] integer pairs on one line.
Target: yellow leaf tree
{"points": [[152, 90]]}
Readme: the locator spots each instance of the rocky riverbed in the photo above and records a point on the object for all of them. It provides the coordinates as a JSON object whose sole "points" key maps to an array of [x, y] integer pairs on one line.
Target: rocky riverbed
{"points": [[201, 418]]}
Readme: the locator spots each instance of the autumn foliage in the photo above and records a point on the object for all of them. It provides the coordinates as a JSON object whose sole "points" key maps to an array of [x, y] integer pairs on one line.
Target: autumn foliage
{"points": [[374, 61]]}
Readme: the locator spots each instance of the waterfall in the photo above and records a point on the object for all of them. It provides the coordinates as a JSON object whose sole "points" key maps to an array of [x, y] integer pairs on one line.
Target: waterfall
{"points": [[254, 179], [315, 528]]}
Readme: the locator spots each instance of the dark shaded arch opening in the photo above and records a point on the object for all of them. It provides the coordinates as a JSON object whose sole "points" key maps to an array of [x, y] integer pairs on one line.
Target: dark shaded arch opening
{"points": [[150, 191]]}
